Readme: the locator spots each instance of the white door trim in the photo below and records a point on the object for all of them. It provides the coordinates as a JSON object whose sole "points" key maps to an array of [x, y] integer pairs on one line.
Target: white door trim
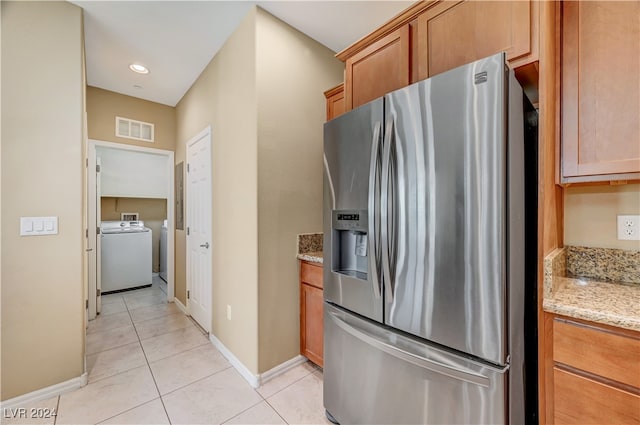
{"points": [[92, 240], [93, 221], [206, 135]]}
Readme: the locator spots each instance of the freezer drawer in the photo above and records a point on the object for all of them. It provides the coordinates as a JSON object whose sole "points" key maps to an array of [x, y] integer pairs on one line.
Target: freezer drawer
{"points": [[373, 375]]}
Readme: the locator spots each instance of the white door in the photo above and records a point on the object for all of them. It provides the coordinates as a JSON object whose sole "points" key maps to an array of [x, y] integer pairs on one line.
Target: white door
{"points": [[198, 216]]}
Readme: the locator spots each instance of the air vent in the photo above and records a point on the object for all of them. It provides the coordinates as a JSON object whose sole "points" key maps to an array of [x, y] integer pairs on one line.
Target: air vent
{"points": [[132, 129]]}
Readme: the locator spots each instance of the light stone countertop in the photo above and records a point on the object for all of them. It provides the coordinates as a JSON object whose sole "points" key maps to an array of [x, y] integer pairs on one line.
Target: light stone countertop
{"points": [[313, 257], [614, 304], [610, 303]]}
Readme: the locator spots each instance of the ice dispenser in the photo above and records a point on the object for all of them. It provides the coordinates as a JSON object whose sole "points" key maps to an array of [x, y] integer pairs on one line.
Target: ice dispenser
{"points": [[350, 256]]}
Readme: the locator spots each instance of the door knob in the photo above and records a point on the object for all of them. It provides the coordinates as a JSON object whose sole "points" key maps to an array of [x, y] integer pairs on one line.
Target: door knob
{"points": [[205, 245]]}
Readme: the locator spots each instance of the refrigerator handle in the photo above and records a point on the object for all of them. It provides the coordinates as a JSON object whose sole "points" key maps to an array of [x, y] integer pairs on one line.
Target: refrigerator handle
{"points": [[384, 208], [414, 358], [374, 243]]}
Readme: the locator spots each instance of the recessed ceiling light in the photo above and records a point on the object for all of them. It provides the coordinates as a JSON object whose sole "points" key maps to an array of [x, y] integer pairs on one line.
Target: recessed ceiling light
{"points": [[140, 69]]}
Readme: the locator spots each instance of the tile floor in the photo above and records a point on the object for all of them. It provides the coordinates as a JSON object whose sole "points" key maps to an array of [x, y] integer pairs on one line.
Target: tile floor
{"points": [[148, 363]]}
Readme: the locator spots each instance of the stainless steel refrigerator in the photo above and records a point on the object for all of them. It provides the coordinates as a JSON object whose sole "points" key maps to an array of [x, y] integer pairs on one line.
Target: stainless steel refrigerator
{"points": [[429, 247]]}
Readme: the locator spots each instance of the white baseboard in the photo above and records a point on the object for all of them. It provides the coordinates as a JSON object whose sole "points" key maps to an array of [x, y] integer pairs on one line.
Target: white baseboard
{"points": [[181, 306], [255, 380], [45, 393], [281, 368]]}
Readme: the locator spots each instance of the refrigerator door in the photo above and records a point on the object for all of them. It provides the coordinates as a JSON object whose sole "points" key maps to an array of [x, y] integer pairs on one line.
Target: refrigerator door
{"points": [[445, 251], [352, 146], [375, 376]]}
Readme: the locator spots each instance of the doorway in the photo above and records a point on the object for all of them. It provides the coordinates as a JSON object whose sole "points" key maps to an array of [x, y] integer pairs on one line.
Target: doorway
{"points": [[163, 164], [199, 243]]}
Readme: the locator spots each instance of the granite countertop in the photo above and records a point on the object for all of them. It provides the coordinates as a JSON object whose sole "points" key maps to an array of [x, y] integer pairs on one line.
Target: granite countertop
{"points": [[593, 299], [309, 247], [313, 257]]}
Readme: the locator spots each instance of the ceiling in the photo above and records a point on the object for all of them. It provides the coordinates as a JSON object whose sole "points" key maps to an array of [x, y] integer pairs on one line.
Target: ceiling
{"points": [[177, 39]]}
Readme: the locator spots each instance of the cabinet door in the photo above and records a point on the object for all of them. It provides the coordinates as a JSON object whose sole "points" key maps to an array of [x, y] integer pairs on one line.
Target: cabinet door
{"points": [[132, 174], [311, 274], [378, 69], [335, 101], [606, 352], [311, 324], [452, 34], [600, 91], [580, 400]]}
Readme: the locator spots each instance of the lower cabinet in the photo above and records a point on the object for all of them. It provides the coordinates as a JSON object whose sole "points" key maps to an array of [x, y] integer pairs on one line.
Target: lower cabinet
{"points": [[311, 312], [595, 373], [581, 400]]}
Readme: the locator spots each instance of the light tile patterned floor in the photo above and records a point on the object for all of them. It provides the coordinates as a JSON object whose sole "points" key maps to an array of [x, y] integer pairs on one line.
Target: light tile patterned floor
{"points": [[150, 364]]}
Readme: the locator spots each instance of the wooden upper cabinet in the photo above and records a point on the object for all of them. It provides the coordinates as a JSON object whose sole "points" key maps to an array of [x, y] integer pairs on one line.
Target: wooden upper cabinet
{"points": [[431, 37], [335, 101], [379, 68], [600, 91], [451, 34]]}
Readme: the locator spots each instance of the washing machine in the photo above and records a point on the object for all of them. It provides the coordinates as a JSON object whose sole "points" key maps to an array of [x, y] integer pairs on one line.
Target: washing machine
{"points": [[126, 255]]}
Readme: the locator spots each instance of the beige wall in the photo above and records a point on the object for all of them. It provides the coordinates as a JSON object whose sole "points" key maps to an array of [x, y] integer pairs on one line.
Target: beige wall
{"points": [[103, 106], [153, 212], [42, 161], [224, 97], [590, 214], [262, 96], [293, 71]]}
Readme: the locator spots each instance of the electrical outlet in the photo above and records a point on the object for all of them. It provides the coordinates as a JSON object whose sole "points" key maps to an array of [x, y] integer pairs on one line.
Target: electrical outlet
{"points": [[629, 227], [228, 312]]}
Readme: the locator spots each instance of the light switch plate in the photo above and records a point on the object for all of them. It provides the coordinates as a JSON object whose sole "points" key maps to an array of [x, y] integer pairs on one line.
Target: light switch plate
{"points": [[629, 227], [38, 226]]}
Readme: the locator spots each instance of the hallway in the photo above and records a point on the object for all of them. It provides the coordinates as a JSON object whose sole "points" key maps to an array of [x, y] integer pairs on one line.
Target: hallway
{"points": [[148, 363]]}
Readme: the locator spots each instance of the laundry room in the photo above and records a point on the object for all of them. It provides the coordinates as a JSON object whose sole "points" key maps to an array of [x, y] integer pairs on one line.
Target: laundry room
{"points": [[131, 142], [132, 191]]}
